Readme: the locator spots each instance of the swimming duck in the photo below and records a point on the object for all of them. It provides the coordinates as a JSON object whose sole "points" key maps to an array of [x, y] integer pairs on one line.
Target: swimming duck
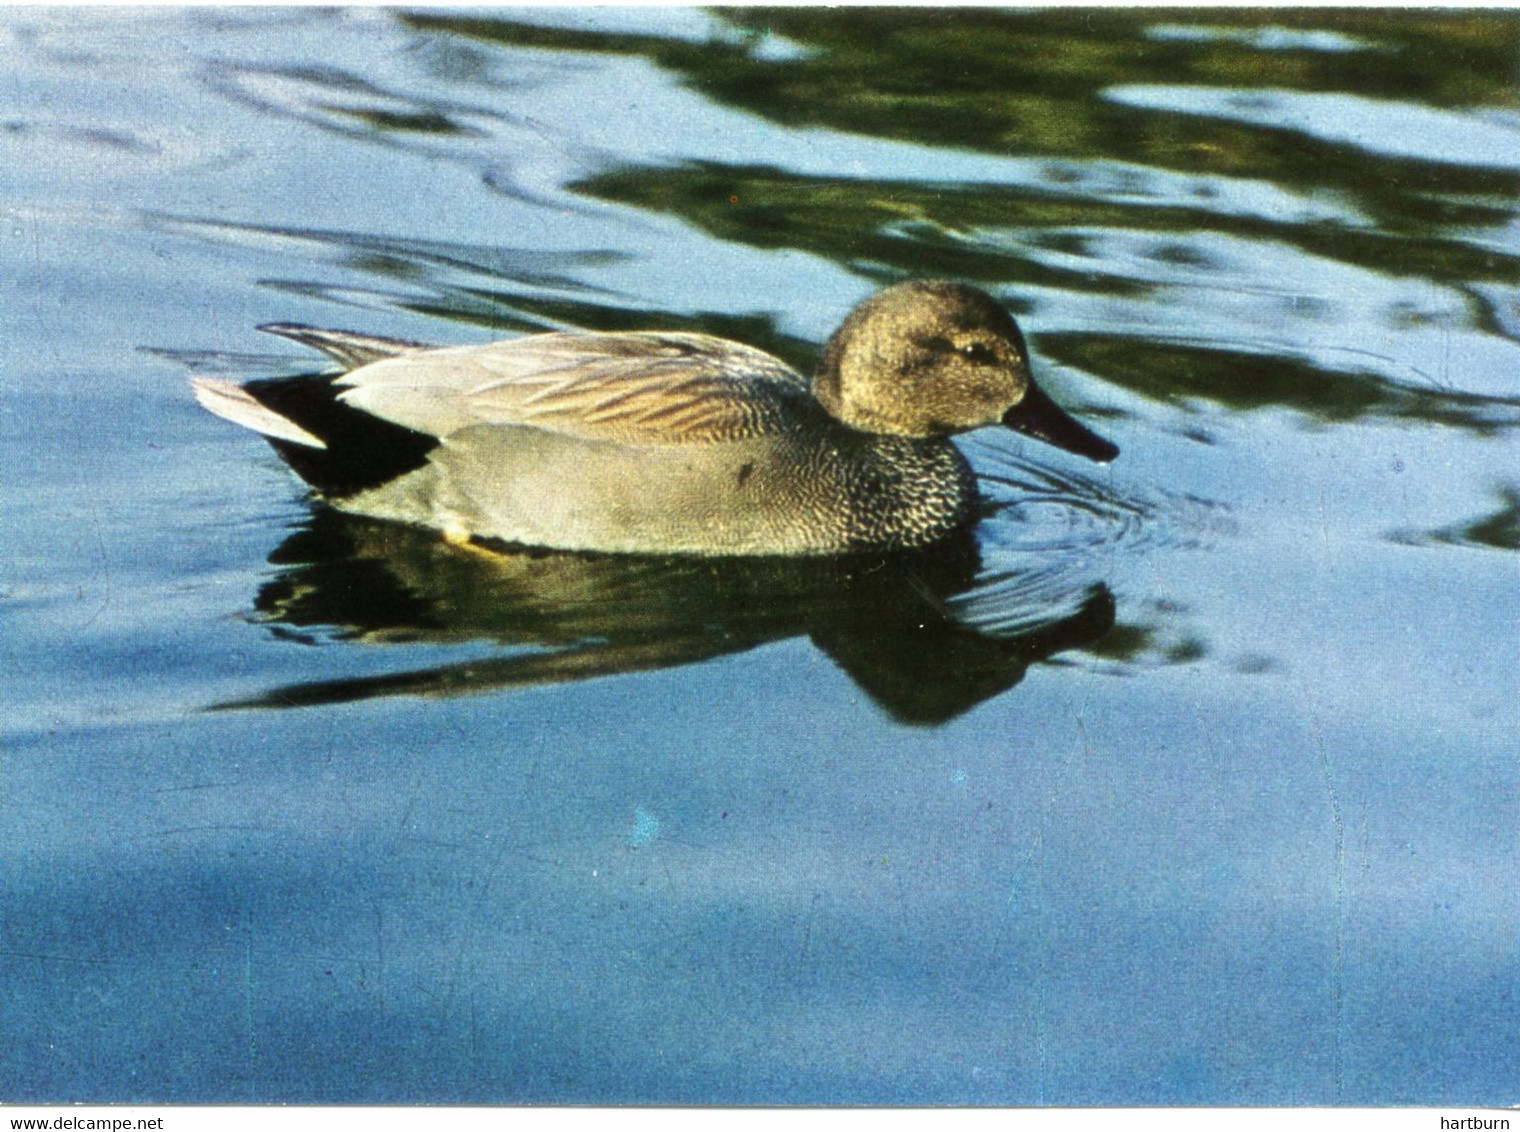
{"points": [[665, 443]]}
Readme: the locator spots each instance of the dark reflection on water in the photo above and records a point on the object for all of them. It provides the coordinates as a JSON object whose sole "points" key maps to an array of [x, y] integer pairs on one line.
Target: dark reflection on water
{"points": [[1242, 381], [1037, 81], [1499, 530], [333, 99], [890, 622], [910, 225]]}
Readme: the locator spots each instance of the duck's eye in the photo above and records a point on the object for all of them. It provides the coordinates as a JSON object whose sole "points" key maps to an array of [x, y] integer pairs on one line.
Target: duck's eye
{"points": [[939, 345], [978, 353]]}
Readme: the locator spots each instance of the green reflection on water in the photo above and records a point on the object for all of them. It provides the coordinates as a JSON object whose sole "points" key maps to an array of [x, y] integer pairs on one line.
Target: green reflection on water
{"points": [[1032, 81], [922, 228], [1242, 381]]}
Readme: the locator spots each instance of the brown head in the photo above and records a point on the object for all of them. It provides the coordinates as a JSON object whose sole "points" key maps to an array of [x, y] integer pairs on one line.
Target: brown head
{"points": [[932, 358]]}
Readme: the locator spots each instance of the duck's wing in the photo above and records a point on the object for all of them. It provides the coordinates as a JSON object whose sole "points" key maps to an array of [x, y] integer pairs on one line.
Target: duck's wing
{"points": [[638, 388]]}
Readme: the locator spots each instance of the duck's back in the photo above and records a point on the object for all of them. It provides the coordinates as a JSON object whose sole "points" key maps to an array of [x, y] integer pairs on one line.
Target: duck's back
{"points": [[645, 388]]}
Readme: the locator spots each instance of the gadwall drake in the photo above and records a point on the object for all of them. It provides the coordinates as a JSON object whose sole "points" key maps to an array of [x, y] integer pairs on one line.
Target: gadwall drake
{"points": [[665, 443]]}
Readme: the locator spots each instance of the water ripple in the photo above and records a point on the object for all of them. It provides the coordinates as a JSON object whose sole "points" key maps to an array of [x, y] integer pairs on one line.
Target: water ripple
{"points": [[1049, 539], [1038, 510]]}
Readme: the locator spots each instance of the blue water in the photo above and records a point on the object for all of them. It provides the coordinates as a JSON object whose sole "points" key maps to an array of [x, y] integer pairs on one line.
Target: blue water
{"points": [[1199, 786]]}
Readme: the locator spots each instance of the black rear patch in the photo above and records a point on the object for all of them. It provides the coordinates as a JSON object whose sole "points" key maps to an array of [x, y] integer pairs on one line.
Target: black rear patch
{"points": [[362, 451]]}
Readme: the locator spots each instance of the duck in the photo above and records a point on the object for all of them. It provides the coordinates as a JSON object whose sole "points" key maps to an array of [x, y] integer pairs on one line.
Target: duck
{"points": [[665, 443]]}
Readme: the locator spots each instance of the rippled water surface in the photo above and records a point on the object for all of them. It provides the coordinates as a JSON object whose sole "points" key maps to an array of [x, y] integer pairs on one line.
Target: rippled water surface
{"points": [[1190, 779]]}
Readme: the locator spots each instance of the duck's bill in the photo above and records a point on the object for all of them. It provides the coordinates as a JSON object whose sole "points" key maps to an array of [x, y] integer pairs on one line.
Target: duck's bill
{"points": [[1040, 417]]}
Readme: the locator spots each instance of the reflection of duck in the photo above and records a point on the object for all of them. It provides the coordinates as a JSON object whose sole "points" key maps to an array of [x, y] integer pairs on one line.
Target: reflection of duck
{"points": [[900, 625], [654, 443]]}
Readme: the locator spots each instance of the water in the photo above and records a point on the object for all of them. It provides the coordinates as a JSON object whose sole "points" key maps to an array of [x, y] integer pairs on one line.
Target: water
{"points": [[1188, 780]]}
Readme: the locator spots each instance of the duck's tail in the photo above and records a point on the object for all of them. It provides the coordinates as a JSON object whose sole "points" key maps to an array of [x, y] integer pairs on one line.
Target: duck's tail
{"points": [[243, 405], [234, 403], [337, 449]]}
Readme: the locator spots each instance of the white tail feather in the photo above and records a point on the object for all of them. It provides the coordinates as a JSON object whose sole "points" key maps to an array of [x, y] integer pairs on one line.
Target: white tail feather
{"points": [[234, 403]]}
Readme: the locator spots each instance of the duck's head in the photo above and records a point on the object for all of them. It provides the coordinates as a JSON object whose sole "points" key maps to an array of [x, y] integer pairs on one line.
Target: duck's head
{"points": [[930, 358]]}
